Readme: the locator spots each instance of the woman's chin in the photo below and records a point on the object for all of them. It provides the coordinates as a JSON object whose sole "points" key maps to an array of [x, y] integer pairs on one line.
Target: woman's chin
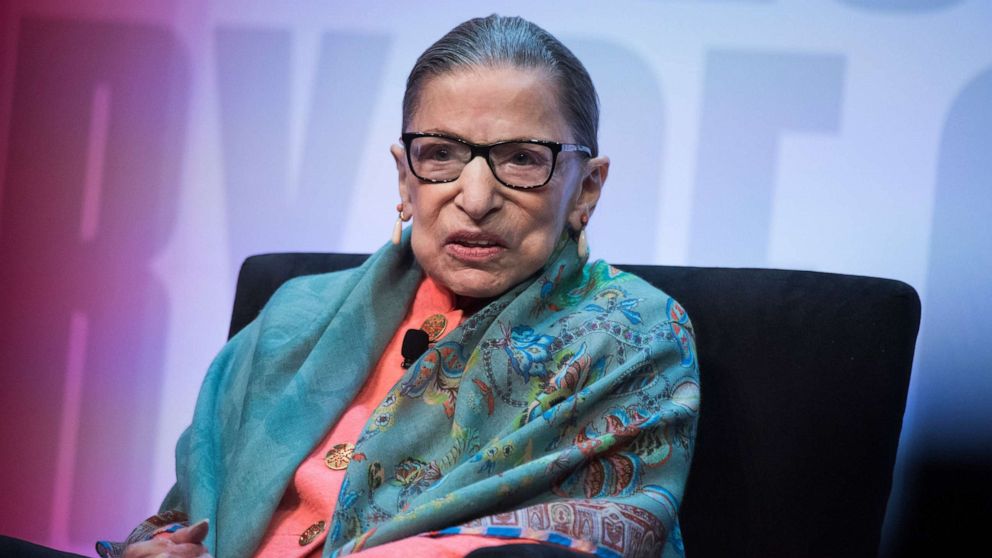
{"points": [[478, 291], [474, 283]]}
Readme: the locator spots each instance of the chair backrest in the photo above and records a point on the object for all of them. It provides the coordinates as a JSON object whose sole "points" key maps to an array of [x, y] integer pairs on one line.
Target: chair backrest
{"points": [[804, 378]]}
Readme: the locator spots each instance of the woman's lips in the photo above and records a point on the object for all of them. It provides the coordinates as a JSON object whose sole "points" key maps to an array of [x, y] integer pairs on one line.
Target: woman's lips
{"points": [[471, 246]]}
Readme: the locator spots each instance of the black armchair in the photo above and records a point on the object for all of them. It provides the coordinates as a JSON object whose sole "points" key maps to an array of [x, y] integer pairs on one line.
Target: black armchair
{"points": [[804, 378]]}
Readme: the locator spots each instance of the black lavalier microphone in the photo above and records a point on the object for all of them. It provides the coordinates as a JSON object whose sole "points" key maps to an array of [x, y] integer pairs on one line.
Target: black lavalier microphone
{"points": [[415, 343]]}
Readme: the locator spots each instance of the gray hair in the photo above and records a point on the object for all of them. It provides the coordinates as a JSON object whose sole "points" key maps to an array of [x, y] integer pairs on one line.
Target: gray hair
{"points": [[495, 41]]}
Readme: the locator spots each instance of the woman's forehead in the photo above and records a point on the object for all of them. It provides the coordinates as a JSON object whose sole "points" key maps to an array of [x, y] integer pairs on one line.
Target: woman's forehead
{"points": [[486, 105]]}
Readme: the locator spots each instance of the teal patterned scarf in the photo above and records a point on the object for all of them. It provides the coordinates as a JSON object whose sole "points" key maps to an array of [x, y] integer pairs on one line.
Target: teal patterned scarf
{"points": [[563, 411]]}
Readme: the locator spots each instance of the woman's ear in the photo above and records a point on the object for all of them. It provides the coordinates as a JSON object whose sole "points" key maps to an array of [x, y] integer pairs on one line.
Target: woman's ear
{"points": [[593, 177], [402, 173]]}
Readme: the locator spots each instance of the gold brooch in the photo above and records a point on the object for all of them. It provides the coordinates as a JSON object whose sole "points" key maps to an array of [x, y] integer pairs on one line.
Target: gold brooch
{"points": [[339, 456], [435, 326], [311, 533]]}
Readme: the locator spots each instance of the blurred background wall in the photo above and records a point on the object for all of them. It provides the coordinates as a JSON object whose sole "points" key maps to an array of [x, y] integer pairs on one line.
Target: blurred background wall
{"points": [[148, 148]]}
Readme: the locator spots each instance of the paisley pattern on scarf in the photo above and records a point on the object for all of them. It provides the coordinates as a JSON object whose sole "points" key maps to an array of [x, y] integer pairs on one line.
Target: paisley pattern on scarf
{"points": [[595, 392], [565, 409]]}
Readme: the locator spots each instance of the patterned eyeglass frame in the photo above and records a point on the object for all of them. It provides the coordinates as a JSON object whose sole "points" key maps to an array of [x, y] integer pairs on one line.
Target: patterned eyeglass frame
{"points": [[483, 150]]}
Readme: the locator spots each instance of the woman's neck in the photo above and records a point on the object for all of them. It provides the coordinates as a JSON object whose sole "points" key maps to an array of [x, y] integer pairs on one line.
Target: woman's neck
{"points": [[470, 305]]}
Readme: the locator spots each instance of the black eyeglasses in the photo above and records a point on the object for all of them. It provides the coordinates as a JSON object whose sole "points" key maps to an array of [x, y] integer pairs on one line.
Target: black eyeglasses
{"points": [[522, 164]]}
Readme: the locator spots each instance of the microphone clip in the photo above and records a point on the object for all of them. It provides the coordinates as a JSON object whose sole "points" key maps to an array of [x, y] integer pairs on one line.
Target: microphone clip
{"points": [[415, 344]]}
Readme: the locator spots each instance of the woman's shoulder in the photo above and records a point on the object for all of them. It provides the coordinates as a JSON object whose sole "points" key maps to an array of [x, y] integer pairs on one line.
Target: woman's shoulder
{"points": [[628, 290], [305, 289], [655, 310], [303, 303], [287, 326]]}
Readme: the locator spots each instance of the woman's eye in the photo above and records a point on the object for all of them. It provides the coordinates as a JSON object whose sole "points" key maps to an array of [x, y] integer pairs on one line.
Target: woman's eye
{"points": [[439, 154], [434, 151], [523, 158]]}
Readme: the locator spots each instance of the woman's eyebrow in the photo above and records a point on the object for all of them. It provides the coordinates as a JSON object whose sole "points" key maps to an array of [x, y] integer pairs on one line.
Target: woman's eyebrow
{"points": [[440, 131], [450, 134]]}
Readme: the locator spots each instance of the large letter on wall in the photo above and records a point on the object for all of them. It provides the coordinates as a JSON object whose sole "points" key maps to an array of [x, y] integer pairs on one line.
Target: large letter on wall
{"points": [[947, 496], [750, 100], [254, 79], [956, 355], [88, 200]]}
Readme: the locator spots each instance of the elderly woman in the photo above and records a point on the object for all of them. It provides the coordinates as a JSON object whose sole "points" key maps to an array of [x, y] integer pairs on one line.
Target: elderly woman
{"points": [[555, 403]]}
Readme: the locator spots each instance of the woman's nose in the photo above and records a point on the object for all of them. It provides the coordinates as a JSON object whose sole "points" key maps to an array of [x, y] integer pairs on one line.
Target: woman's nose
{"points": [[479, 192]]}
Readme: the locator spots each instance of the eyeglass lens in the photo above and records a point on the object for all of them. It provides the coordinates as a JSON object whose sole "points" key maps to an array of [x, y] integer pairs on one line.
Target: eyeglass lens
{"points": [[524, 165]]}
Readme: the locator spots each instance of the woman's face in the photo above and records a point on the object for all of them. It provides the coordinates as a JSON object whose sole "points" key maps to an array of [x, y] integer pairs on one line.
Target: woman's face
{"points": [[474, 235]]}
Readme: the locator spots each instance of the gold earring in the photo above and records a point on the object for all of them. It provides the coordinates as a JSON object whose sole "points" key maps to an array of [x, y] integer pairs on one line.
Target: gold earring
{"points": [[583, 248]]}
